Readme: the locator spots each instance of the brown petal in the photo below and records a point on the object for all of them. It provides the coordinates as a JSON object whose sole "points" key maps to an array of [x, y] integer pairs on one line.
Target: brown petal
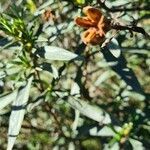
{"points": [[88, 35], [92, 13], [101, 26], [91, 37], [104, 24], [84, 22], [101, 32]]}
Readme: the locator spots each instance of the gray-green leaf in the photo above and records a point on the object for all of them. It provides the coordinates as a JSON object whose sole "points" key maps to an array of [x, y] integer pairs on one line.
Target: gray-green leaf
{"points": [[17, 113], [56, 53], [7, 99], [136, 145], [90, 111]]}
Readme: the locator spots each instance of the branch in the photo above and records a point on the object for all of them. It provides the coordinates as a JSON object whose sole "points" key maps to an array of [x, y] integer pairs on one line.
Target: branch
{"points": [[131, 29], [116, 9]]}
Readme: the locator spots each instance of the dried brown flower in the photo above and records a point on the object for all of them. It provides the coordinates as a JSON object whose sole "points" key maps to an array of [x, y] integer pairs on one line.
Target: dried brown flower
{"points": [[96, 24]]}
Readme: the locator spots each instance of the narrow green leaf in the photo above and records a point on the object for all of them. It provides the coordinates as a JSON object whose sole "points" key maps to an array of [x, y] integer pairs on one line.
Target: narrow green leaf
{"points": [[17, 113]]}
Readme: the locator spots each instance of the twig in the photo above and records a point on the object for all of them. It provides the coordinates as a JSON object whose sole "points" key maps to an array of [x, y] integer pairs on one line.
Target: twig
{"points": [[49, 108], [131, 29]]}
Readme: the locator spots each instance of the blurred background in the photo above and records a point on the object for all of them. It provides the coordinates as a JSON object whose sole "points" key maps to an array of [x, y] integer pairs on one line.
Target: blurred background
{"points": [[53, 122]]}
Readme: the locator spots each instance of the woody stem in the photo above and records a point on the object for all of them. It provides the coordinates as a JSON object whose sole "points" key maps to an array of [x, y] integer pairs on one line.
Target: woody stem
{"points": [[131, 29]]}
